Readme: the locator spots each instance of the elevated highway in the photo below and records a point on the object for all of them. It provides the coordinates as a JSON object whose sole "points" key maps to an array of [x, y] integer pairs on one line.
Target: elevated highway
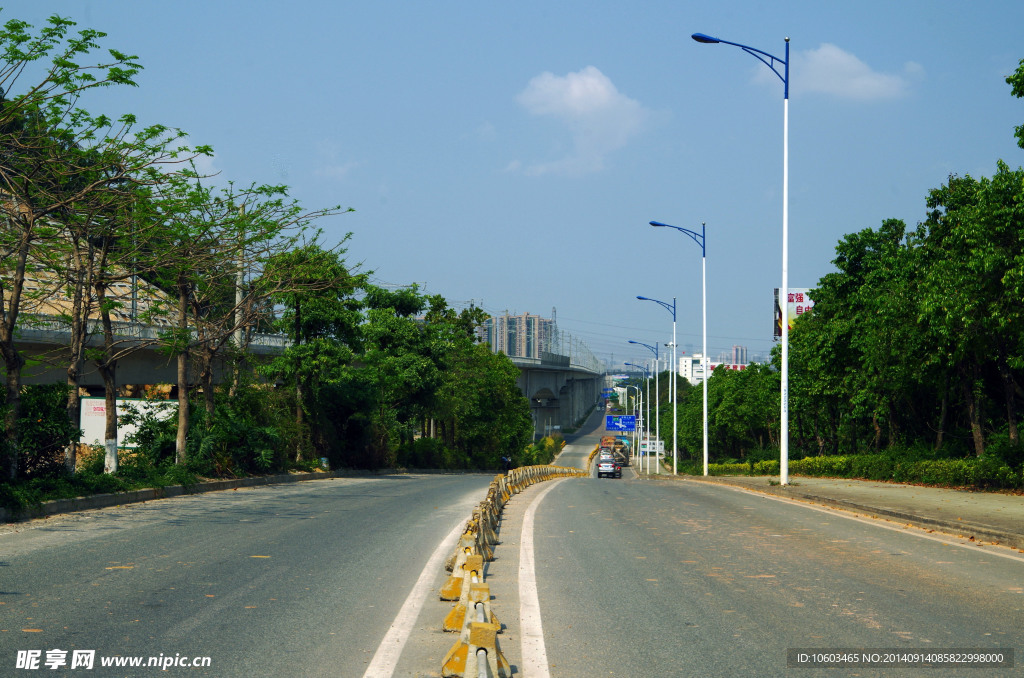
{"points": [[561, 391]]}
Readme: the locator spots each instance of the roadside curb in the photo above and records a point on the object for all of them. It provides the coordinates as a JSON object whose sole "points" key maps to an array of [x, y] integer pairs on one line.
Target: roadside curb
{"points": [[57, 506], [953, 528]]}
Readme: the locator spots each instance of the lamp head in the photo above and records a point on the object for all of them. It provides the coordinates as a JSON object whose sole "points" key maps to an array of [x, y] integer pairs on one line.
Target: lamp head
{"points": [[707, 39]]}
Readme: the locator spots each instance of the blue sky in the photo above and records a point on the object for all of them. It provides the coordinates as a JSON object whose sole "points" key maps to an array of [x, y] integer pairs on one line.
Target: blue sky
{"points": [[513, 154]]}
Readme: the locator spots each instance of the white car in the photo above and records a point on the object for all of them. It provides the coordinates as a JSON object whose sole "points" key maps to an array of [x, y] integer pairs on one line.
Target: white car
{"points": [[608, 467]]}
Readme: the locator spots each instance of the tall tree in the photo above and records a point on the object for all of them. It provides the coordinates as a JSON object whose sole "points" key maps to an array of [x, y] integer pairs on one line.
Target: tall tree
{"points": [[221, 256], [321, 317], [43, 169], [973, 238]]}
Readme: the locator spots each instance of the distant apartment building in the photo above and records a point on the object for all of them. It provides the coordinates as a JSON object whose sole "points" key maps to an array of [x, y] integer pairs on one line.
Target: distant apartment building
{"points": [[521, 336], [690, 367]]}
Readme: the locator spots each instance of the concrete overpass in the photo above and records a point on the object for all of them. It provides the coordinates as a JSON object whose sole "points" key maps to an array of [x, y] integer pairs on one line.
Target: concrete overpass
{"points": [[560, 392], [44, 342]]}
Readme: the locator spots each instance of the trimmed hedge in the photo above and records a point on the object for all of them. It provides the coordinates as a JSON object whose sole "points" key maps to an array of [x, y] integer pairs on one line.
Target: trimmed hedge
{"points": [[978, 472]]}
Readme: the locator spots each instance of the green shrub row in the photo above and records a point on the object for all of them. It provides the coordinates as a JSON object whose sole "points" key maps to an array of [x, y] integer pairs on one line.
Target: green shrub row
{"points": [[136, 473], [984, 472], [541, 452]]}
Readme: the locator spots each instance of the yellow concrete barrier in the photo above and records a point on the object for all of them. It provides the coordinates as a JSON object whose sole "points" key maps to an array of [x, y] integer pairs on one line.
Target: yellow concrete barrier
{"points": [[478, 639], [473, 573], [464, 659], [452, 588]]}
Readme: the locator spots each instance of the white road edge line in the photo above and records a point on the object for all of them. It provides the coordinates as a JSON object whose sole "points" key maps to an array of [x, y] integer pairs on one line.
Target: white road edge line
{"points": [[534, 653], [882, 522], [385, 659]]}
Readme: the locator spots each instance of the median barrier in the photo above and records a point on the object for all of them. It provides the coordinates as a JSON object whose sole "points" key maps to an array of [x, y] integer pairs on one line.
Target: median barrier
{"points": [[475, 593], [488, 530], [481, 650], [452, 588], [477, 648]]}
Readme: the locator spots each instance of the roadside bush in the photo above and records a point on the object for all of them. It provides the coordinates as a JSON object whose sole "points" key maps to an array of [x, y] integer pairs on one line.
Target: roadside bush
{"points": [[541, 452], [155, 437], [821, 466], [986, 472], [872, 467], [44, 430], [135, 473], [727, 469], [422, 453], [1000, 447]]}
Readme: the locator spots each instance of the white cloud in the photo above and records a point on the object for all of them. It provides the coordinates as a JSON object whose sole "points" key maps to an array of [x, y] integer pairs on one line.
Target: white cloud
{"points": [[831, 70], [598, 117]]}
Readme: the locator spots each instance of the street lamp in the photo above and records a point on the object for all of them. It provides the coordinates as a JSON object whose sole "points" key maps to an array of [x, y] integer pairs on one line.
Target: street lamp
{"points": [[672, 389], [647, 417], [771, 62], [657, 396], [700, 239], [635, 448]]}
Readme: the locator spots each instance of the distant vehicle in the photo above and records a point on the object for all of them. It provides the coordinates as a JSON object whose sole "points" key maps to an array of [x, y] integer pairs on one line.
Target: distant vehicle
{"points": [[621, 459], [608, 467]]}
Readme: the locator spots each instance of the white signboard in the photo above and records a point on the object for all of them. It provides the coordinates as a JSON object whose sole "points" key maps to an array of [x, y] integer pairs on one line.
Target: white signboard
{"points": [[94, 417], [652, 444]]}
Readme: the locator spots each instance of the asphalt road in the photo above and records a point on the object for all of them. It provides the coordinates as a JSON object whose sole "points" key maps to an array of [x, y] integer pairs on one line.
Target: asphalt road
{"points": [[689, 579], [626, 577], [303, 579]]}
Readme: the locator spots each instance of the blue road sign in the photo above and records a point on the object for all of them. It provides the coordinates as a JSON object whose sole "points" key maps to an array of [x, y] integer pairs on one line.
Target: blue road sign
{"points": [[620, 422]]}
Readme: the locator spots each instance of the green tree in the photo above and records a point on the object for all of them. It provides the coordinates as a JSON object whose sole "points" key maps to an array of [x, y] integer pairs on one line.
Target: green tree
{"points": [[398, 369], [55, 158], [321, 317], [972, 239], [858, 356]]}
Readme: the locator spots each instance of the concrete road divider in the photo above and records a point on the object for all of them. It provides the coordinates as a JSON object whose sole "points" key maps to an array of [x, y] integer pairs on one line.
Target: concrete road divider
{"points": [[452, 588], [476, 653], [473, 575], [481, 651], [488, 527], [476, 608]]}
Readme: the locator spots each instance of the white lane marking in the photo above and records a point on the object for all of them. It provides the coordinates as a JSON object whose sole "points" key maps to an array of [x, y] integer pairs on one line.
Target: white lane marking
{"points": [[534, 653], [385, 659]]}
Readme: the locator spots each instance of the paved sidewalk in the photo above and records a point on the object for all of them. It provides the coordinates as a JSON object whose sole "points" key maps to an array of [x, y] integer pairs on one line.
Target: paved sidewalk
{"points": [[985, 516]]}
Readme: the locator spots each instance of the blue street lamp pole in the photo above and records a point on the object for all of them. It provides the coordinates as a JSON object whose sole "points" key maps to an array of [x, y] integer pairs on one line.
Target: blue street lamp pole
{"points": [[771, 62], [672, 385], [701, 240], [657, 395]]}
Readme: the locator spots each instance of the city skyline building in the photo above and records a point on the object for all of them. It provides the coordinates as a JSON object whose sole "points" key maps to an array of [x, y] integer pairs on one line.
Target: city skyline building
{"points": [[526, 335]]}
